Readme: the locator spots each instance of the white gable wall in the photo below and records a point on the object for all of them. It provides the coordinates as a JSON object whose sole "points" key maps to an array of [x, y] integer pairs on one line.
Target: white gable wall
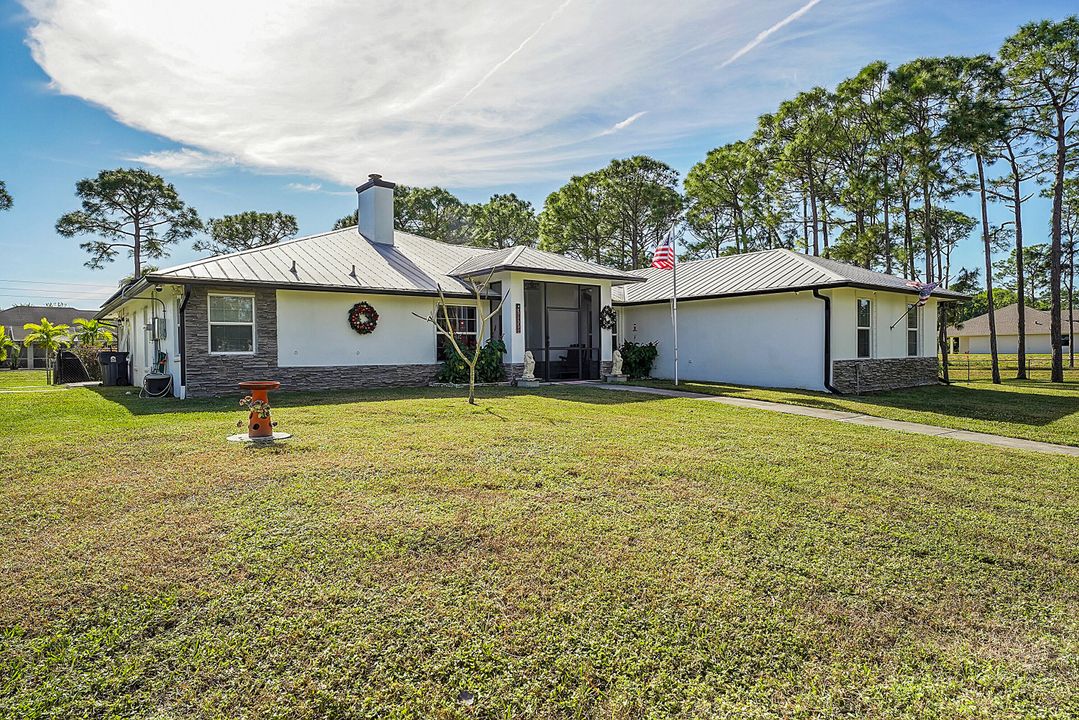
{"points": [[768, 340]]}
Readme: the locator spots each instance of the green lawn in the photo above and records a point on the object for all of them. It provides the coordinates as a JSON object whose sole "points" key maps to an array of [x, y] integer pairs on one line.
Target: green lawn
{"points": [[1035, 410], [966, 367], [566, 553], [22, 380]]}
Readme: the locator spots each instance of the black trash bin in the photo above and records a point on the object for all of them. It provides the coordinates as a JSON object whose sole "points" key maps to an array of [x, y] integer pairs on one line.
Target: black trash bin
{"points": [[113, 368]]}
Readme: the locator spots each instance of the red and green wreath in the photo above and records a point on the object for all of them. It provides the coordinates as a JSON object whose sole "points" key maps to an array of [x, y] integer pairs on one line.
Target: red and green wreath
{"points": [[363, 318]]}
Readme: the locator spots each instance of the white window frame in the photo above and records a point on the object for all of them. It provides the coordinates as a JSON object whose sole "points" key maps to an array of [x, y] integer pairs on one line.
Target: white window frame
{"points": [[439, 337], [858, 328], [210, 325], [917, 329]]}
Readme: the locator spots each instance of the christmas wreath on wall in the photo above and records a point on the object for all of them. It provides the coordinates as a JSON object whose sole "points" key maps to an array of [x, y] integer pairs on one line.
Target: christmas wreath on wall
{"points": [[607, 318], [363, 318]]}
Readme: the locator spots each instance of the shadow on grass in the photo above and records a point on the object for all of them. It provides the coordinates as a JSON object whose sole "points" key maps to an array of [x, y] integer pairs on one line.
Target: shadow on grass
{"points": [[981, 403], [129, 397]]}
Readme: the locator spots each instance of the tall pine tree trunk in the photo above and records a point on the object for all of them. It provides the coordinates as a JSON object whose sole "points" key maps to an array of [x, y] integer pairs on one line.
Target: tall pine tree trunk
{"points": [[805, 224], [1055, 253], [1020, 274], [988, 271], [926, 216], [813, 210]]}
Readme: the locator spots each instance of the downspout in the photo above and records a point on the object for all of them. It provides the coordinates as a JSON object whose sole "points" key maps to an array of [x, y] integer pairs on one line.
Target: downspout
{"points": [[827, 340], [181, 330]]}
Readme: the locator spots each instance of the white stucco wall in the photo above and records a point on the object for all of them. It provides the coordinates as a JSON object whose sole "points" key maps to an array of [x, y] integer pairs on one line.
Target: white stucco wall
{"points": [[313, 329], [132, 319], [768, 340], [887, 308]]}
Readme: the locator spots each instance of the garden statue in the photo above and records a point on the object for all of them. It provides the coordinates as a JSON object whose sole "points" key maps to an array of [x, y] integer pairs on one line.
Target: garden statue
{"points": [[616, 363], [530, 366]]}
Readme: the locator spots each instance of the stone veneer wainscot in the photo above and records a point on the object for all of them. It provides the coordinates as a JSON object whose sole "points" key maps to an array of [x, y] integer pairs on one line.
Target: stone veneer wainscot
{"points": [[213, 375], [875, 374]]}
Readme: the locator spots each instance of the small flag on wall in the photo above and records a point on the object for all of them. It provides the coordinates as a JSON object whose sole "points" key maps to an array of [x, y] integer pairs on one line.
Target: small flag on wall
{"points": [[924, 290], [663, 258]]}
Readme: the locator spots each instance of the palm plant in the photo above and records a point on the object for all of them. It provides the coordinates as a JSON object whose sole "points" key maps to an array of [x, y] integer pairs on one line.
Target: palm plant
{"points": [[91, 333], [49, 336], [7, 345]]}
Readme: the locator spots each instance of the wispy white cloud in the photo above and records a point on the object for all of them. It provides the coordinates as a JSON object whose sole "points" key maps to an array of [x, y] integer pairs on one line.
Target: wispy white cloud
{"points": [[763, 35], [624, 124], [458, 92], [184, 160], [304, 187]]}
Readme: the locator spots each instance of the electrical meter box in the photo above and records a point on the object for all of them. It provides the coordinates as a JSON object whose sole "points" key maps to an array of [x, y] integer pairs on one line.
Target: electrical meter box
{"points": [[157, 329]]}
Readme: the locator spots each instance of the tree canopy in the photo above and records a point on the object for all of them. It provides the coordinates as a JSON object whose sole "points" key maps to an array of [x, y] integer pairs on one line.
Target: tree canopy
{"points": [[128, 209], [502, 222], [247, 230]]}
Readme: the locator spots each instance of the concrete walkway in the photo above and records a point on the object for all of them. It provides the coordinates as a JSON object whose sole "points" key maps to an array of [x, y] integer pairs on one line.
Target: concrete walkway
{"points": [[855, 419]]}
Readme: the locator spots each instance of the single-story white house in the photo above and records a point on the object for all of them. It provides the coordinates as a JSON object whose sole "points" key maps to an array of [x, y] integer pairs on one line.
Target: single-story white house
{"points": [[972, 336], [287, 312]]}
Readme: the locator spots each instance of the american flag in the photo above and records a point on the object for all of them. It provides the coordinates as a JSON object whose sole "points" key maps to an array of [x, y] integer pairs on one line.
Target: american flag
{"points": [[663, 258], [924, 290]]}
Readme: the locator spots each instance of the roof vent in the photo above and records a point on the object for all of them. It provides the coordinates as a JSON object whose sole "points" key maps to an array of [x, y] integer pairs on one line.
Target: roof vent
{"points": [[294, 268], [376, 209]]}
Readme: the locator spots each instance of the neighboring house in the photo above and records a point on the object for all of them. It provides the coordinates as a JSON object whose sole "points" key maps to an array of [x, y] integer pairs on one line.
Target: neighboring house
{"points": [[972, 336], [783, 319], [281, 312], [15, 317]]}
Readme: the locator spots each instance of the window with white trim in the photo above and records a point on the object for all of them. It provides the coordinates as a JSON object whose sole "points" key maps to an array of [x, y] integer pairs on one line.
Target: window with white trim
{"points": [[232, 324], [912, 330], [462, 323], [865, 328]]}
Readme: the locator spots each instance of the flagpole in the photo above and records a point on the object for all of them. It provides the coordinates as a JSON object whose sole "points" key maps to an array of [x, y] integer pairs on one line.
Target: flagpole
{"points": [[674, 307]]}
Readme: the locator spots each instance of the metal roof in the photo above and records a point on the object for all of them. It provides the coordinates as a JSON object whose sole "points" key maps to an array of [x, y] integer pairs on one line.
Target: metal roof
{"points": [[527, 259], [1007, 322], [766, 271], [341, 260]]}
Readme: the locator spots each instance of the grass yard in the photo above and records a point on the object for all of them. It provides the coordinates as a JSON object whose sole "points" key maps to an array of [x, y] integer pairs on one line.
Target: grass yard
{"points": [[567, 553], [967, 367], [1035, 410]]}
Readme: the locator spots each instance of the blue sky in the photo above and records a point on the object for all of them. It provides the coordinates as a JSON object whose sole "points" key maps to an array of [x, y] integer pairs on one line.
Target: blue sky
{"points": [[286, 105]]}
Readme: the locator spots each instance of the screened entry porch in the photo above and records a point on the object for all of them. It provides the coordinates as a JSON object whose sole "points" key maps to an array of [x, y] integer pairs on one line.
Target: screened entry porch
{"points": [[562, 329]]}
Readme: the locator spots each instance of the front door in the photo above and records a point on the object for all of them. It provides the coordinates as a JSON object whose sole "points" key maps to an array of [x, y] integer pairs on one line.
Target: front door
{"points": [[562, 329]]}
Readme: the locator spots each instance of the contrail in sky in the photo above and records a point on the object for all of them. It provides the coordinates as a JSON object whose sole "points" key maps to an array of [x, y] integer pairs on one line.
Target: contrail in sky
{"points": [[558, 10], [763, 35]]}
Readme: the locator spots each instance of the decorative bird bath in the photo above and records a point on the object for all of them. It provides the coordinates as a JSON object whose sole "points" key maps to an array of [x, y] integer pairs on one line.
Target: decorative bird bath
{"points": [[259, 423]]}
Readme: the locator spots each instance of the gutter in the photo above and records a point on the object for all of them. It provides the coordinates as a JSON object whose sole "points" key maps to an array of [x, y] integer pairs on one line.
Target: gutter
{"points": [[119, 296], [181, 330], [827, 340]]}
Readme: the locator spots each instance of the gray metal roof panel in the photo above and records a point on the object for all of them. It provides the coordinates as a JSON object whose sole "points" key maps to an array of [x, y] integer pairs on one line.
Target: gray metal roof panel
{"points": [[412, 264], [527, 259], [756, 272]]}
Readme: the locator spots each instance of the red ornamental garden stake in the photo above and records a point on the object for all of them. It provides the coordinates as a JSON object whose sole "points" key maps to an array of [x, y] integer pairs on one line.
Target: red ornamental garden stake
{"points": [[259, 422]]}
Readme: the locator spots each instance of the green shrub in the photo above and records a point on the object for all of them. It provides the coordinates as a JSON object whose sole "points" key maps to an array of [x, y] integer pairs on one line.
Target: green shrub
{"points": [[637, 358], [489, 367]]}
